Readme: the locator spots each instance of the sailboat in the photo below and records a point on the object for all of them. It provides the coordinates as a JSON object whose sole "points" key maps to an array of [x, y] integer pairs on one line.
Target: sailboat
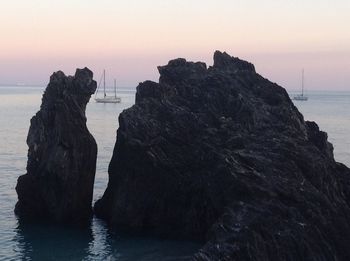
{"points": [[301, 97], [107, 99]]}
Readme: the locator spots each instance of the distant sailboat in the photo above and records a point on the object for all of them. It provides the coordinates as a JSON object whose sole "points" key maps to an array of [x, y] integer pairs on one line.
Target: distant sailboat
{"points": [[107, 99], [301, 97]]}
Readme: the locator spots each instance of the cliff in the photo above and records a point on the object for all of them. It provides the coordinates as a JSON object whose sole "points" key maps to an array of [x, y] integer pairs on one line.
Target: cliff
{"points": [[62, 154], [222, 155]]}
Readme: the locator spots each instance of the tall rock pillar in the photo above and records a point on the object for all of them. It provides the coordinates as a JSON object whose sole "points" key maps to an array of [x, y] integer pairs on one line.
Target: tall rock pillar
{"points": [[58, 185]]}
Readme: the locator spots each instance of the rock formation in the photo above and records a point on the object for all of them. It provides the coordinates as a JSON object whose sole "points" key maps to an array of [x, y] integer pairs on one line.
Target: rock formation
{"points": [[62, 154], [222, 155]]}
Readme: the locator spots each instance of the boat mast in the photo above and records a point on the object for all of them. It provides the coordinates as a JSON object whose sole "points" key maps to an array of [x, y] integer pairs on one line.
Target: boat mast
{"points": [[302, 82], [115, 88], [104, 82]]}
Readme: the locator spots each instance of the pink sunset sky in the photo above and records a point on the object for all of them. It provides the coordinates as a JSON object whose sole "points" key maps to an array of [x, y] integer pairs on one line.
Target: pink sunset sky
{"points": [[130, 38]]}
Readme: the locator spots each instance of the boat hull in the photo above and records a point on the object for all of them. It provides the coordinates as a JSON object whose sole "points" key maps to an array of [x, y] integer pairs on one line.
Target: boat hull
{"points": [[300, 98], [108, 100]]}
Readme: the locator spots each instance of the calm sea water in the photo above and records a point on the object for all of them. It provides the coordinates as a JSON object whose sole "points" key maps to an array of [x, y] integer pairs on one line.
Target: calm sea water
{"points": [[331, 110]]}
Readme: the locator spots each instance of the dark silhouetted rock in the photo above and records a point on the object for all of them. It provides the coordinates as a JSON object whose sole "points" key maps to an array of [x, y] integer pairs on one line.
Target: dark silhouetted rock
{"points": [[62, 154], [223, 156]]}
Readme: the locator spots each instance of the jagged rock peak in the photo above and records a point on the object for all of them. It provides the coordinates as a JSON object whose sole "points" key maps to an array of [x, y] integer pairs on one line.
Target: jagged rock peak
{"points": [[82, 82], [224, 61], [81, 87], [181, 70], [61, 156]]}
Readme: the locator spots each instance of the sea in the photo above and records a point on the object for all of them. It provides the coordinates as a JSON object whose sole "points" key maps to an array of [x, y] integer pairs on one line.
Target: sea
{"points": [[331, 110]]}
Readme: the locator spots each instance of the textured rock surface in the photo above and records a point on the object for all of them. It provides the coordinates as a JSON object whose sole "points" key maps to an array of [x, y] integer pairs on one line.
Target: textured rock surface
{"points": [[222, 155], [62, 154]]}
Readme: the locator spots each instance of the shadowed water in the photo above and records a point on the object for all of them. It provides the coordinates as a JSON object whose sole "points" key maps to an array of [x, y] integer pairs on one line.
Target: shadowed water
{"points": [[331, 110]]}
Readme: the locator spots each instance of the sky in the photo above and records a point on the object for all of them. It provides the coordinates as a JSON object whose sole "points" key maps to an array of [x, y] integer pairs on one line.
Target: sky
{"points": [[131, 38]]}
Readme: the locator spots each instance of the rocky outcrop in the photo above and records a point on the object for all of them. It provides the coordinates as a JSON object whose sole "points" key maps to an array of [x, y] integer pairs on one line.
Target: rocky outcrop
{"points": [[222, 155], [62, 154]]}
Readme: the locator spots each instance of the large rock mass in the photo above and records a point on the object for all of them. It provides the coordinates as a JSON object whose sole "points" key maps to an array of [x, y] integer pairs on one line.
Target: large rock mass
{"points": [[222, 155], [62, 154]]}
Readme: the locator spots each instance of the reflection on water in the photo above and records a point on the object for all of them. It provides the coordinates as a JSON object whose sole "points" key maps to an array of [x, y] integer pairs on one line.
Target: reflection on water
{"points": [[48, 242], [45, 242]]}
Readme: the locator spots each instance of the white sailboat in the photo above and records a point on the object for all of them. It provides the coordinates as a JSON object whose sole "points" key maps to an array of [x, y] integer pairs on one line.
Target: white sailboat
{"points": [[107, 99], [301, 97]]}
